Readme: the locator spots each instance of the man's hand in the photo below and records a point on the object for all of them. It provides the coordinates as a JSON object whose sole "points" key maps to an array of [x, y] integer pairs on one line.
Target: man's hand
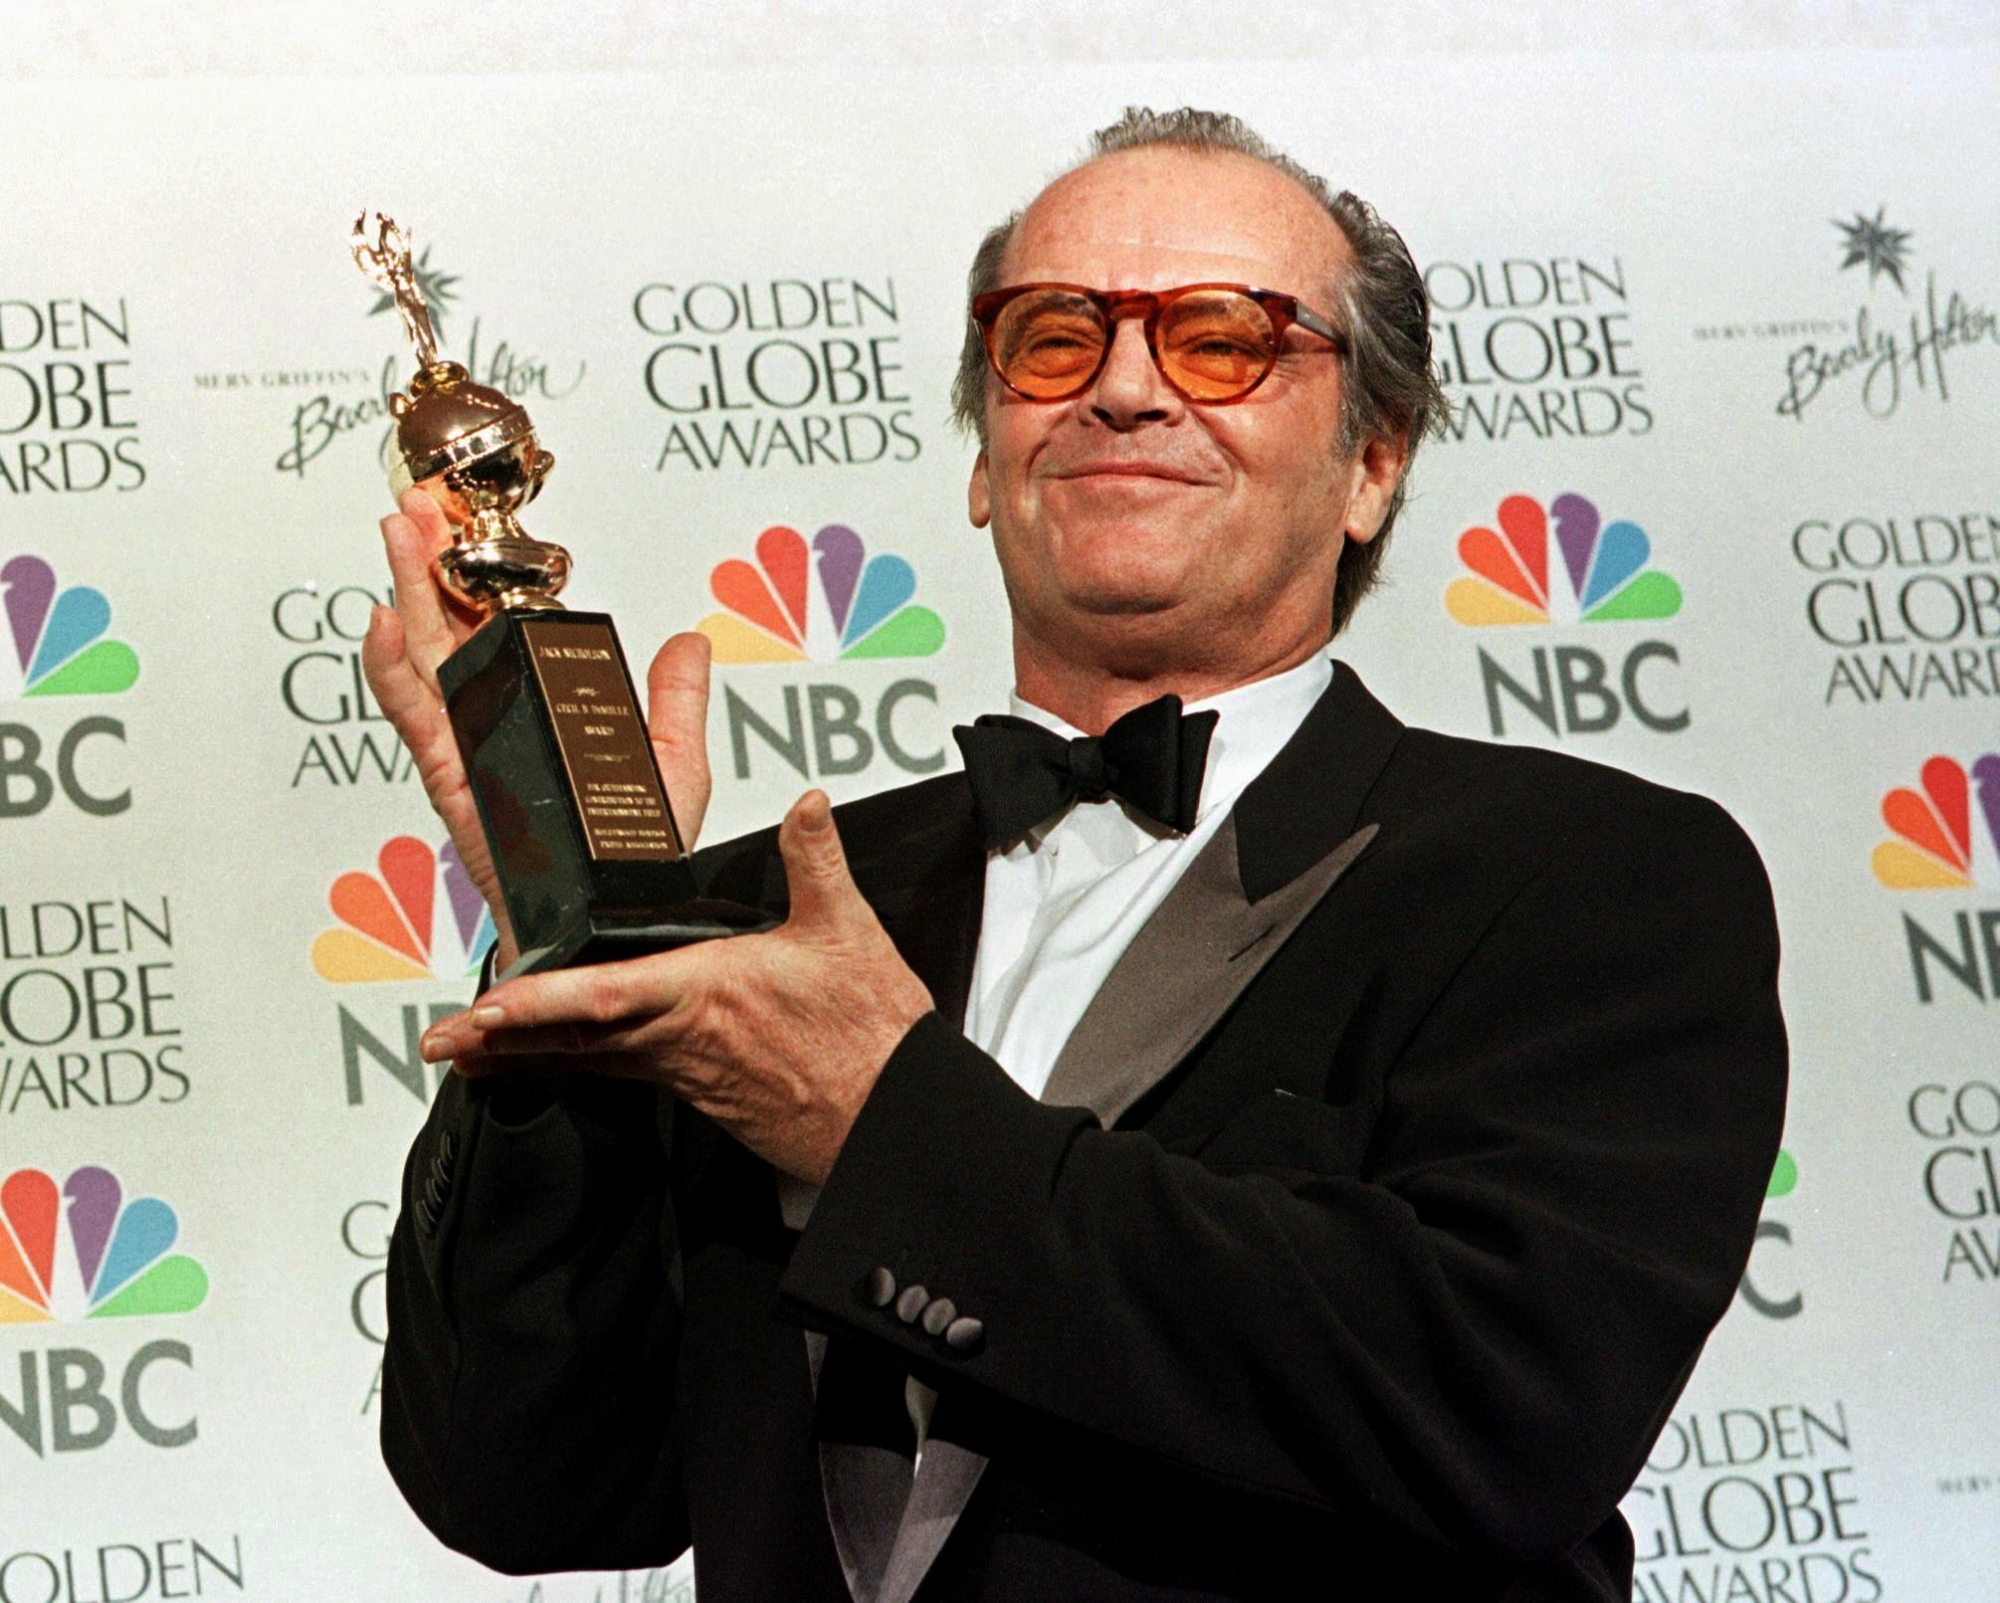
{"points": [[401, 654], [777, 1037]]}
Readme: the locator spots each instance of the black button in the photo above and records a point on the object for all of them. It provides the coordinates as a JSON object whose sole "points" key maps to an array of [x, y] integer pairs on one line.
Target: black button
{"points": [[941, 1313], [966, 1335], [877, 1288], [911, 1303], [448, 1146]]}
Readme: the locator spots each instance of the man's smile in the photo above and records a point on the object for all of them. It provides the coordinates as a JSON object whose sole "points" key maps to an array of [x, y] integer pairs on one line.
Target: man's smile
{"points": [[1114, 471], [1127, 470]]}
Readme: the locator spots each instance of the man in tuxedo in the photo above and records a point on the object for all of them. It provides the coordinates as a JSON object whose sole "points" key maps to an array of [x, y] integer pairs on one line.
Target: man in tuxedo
{"points": [[1223, 1145]]}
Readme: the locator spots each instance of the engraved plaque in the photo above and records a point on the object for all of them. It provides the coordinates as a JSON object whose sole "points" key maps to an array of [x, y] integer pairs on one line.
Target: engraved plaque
{"points": [[602, 738], [583, 839]]}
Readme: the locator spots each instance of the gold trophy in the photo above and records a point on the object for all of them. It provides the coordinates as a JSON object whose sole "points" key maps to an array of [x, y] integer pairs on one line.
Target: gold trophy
{"points": [[542, 704]]}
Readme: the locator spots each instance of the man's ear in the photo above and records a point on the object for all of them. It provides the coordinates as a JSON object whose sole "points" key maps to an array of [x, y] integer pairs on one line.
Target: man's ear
{"points": [[1377, 470], [979, 494]]}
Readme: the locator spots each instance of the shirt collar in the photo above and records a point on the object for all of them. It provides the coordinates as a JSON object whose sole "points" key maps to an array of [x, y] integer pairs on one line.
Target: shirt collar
{"points": [[1254, 722]]}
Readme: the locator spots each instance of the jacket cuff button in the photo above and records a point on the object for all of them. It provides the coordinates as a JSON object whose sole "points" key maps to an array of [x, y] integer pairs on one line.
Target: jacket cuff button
{"points": [[911, 1303], [965, 1335], [877, 1288], [939, 1315]]}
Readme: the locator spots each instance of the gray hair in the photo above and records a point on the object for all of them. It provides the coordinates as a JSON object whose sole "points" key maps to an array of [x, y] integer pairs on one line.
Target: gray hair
{"points": [[1390, 390]]}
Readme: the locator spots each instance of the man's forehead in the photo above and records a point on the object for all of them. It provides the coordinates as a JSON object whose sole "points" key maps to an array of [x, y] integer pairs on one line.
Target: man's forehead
{"points": [[1159, 212]]}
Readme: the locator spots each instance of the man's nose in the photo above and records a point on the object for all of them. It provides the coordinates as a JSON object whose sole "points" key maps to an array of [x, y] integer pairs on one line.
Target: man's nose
{"points": [[1130, 389]]}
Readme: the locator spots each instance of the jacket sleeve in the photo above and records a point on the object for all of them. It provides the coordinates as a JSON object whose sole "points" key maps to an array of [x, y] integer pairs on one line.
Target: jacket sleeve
{"points": [[1472, 1341], [533, 1323]]}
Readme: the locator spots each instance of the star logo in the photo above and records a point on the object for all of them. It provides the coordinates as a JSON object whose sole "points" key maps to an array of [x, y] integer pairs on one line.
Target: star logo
{"points": [[1871, 242], [436, 287]]}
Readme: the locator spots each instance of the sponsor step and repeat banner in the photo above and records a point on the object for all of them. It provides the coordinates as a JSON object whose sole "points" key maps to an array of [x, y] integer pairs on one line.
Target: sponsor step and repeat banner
{"points": [[1719, 504]]}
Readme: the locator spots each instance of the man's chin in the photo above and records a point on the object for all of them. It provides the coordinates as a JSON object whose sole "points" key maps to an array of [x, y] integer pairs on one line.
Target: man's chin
{"points": [[1125, 577]]}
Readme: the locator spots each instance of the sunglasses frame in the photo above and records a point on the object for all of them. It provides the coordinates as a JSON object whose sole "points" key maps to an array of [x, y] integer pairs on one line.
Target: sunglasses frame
{"points": [[1285, 312]]}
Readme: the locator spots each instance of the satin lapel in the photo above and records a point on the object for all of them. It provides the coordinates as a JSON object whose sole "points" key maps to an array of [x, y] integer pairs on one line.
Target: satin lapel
{"points": [[1203, 945], [1294, 831], [866, 1487], [946, 1475], [887, 1527]]}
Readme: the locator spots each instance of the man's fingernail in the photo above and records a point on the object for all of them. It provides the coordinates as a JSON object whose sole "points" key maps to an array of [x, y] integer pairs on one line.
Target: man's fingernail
{"points": [[818, 815], [433, 1048], [485, 1018]]}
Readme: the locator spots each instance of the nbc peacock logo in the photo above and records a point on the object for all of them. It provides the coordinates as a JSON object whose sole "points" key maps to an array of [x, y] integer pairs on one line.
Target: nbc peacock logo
{"points": [[1597, 572], [1510, 569], [1935, 845], [58, 637], [864, 608], [104, 1256], [389, 928], [1932, 844]]}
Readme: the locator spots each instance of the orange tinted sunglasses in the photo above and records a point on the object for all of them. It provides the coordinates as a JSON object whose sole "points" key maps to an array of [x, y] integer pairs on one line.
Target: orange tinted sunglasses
{"points": [[1213, 343]]}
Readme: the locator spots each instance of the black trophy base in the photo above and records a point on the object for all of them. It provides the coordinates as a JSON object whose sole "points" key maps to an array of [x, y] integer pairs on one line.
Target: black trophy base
{"points": [[610, 938], [589, 859]]}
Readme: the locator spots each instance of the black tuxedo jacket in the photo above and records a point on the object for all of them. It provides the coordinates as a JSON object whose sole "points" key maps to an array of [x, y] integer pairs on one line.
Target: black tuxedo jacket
{"points": [[1371, 1224]]}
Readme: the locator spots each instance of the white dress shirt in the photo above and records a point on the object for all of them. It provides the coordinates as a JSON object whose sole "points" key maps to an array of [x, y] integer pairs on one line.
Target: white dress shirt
{"points": [[1064, 902]]}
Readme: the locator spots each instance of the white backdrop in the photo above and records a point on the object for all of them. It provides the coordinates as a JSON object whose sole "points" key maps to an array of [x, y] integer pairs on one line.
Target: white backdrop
{"points": [[732, 301]]}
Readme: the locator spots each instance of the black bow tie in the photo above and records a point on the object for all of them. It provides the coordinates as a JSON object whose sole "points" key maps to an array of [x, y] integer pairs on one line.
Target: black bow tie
{"points": [[1021, 773]]}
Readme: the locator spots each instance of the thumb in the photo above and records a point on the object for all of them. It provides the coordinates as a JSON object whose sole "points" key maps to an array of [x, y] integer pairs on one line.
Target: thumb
{"points": [[822, 890], [677, 722]]}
